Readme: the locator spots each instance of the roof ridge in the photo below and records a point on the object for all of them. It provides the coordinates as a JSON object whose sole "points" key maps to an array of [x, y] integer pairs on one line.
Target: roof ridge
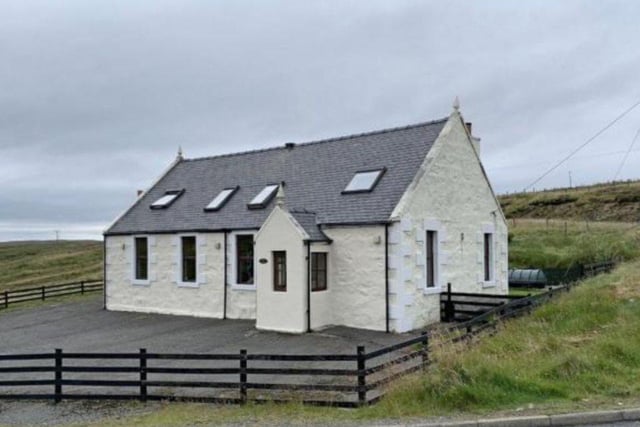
{"points": [[321, 141]]}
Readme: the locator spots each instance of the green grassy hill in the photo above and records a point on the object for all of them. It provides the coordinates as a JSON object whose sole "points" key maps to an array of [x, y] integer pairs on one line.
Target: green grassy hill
{"points": [[619, 201], [24, 264]]}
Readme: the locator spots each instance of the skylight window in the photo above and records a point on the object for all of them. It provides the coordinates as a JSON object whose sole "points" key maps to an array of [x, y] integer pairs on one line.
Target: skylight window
{"points": [[263, 198], [166, 200], [221, 199], [364, 181]]}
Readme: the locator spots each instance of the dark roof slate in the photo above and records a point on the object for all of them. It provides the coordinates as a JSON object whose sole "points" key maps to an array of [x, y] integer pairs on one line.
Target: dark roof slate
{"points": [[314, 174], [308, 222]]}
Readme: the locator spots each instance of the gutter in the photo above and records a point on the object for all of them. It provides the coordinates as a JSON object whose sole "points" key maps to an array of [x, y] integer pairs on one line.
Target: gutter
{"points": [[224, 280], [104, 272], [386, 276], [308, 286]]}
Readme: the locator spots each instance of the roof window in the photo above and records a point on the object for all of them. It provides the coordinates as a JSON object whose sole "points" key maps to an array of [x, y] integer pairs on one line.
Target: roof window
{"points": [[165, 201], [263, 198], [221, 199], [364, 181]]}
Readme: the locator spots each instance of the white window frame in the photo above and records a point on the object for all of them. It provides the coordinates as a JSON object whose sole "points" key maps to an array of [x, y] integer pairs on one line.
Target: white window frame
{"points": [[379, 173], [179, 281], [233, 266], [489, 229], [134, 280], [437, 227], [268, 192]]}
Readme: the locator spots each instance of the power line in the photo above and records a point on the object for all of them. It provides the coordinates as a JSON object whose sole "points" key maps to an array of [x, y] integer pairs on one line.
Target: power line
{"points": [[624, 159], [600, 132]]}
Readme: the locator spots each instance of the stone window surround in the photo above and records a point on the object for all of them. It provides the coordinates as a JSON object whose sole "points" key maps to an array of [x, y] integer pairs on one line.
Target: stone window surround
{"points": [[134, 281], [488, 229], [233, 267], [437, 226], [178, 272]]}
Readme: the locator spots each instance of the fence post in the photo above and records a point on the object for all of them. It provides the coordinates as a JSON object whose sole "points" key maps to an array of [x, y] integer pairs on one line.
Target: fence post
{"points": [[43, 291], [143, 374], [425, 350], [82, 286], [6, 299], [58, 376], [449, 309], [362, 376], [243, 376]]}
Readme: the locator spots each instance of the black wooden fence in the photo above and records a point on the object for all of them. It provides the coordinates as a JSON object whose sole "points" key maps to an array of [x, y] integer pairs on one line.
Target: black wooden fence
{"points": [[501, 307], [41, 293], [344, 380]]}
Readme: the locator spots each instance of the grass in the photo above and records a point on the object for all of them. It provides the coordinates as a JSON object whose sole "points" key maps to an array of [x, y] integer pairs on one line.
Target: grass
{"points": [[617, 201], [580, 351], [24, 264], [561, 244], [583, 346]]}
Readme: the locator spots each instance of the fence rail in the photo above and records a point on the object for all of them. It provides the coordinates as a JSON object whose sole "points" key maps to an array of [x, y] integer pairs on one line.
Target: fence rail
{"points": [[41, 293], [346, 380]]}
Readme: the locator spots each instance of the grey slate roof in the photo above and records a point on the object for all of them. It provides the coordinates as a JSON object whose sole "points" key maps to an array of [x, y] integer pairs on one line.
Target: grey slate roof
{"points": [[308, 221], [314, 174]]}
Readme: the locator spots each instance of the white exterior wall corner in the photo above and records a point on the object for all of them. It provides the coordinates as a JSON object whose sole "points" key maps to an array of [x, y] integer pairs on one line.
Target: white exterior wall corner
{"points": [[450, 191], [281, 311], [162, 294], [321, 308], [357, 276]]}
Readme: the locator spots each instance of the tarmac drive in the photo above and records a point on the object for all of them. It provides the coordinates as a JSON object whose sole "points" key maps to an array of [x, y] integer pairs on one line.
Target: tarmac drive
{"points": [[84, 326]]}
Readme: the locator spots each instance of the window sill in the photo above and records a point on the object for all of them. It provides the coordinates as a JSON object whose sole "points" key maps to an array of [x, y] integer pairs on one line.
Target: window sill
{"points": [[432, 291], [491, 284], [241, 287], [141, 282], [188, 284]]}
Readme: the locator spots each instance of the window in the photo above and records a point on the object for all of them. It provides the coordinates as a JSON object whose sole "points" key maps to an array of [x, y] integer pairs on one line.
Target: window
{"points": [[280, 271], [166, 200], [488, 257], [221, 199], [432, 254], [244, 259], [263, 198], [318, 271], [364, 181], [188, 259], [141, 258]]}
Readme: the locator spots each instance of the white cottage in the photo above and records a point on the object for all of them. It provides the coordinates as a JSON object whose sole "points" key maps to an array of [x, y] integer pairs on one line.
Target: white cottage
{"points": [[363, 231]]}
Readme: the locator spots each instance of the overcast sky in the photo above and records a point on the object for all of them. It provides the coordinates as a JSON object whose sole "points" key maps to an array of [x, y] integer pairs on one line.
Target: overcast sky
{"points": [[96, 96]]}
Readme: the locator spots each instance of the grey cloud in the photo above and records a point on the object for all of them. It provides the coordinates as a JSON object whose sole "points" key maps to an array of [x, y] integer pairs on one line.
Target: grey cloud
{"points": [[97, 96]]}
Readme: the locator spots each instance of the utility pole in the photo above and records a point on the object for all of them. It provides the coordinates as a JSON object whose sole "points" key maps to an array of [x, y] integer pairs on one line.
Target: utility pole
{"points": [[570, 179], [57, 234]]}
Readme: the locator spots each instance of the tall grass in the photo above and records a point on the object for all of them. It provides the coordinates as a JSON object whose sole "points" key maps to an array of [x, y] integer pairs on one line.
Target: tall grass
{"points": [[584, 345], [24, 264], [546, 244]]}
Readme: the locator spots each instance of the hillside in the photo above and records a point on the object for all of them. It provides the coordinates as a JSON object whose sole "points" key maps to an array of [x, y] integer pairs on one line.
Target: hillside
{"points": [[619, 201], [24, 264]]}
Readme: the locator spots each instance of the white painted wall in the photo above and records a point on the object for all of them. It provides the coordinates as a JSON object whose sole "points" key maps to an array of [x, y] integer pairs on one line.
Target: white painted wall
{"points": [[357, 276], [281, 311], [321, 301], [163, 293], [452, 193]]}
